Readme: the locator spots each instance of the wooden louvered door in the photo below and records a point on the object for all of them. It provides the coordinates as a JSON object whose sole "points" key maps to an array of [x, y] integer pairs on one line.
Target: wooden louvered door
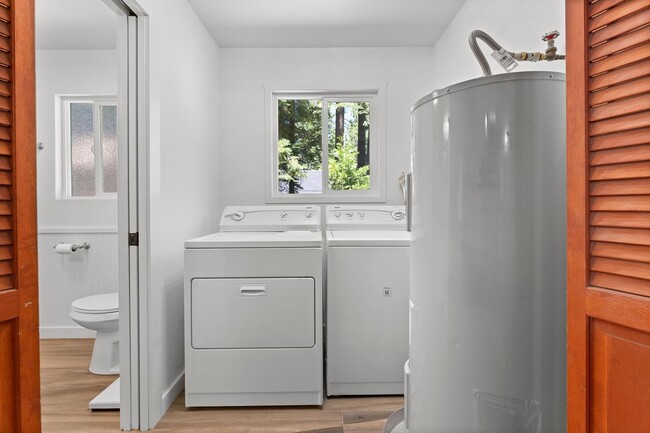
{"points": [[608, 153], [19, 356]]}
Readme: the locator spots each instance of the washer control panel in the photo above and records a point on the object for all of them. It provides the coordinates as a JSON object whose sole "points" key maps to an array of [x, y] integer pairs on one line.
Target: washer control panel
{"points": [[365, 217], [270, 218]]}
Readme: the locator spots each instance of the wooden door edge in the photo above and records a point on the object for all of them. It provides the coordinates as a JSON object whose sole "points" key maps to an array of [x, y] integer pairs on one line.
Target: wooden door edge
{"points": [[26, 230]]}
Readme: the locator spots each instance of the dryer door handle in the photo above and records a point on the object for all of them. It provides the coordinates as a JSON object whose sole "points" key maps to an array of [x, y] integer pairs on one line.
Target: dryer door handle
{"points": [[256, 290]]}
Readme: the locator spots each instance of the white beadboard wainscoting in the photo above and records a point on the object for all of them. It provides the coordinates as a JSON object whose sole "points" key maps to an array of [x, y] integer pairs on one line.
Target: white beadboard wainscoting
{"points": [[66, 277]]}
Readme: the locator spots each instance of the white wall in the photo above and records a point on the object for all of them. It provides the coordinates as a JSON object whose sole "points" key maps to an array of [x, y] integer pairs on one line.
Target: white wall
{"points": [[408, 72], [183, 178], [518, 25], [66, 277], [69, 72], [62, 279]]}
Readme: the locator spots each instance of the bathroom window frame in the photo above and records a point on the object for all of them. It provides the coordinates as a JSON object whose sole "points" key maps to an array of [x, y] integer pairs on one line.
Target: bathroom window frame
{"points": [[374, 94], [64, 145]]}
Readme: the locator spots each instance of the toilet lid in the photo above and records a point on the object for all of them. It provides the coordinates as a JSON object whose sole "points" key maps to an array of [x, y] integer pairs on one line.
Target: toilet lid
{"points": [[106, 303]]}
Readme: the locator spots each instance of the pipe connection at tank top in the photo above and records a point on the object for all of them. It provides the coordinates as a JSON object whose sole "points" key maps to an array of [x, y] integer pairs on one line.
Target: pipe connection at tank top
{"points": [[508, 59]]}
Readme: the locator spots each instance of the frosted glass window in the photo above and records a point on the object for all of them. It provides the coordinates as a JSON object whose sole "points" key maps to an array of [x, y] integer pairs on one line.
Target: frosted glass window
{"points": [[90, 142], [108, 141], [82, 156]]}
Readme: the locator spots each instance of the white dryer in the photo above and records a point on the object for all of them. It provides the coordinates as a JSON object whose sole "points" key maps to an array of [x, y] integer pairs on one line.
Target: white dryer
{"points": [[367, 299], [253, 309]]}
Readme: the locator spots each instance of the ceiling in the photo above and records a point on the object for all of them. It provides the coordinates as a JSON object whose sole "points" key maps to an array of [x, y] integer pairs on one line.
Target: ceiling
{"points": [[75, 25], [325, 23], [90, 24]]}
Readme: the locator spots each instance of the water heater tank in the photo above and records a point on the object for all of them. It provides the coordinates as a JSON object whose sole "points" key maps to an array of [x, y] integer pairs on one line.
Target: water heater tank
{"points": [[487, 334]]}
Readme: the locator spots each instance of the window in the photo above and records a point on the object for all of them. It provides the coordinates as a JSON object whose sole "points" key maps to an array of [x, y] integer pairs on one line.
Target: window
{"points": [[89, 147], [325, 146]]}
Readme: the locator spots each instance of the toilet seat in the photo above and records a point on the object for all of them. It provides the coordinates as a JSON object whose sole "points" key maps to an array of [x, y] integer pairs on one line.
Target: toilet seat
{"points": [[97, 304]]}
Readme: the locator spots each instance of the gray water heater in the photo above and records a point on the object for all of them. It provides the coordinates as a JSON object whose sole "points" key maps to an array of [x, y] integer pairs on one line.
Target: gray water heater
{"points": [[487, 299]]}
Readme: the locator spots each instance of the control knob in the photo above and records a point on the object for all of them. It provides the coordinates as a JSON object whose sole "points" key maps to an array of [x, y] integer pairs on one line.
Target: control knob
{"points": [[237, 216]]}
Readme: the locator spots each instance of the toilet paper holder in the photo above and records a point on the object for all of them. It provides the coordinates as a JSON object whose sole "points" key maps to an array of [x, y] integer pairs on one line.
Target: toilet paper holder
{"points": [[75, 247]]}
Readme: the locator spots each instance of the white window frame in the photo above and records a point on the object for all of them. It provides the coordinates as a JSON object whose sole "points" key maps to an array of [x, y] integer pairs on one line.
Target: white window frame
{"points": [[374, 95], [64, 165]]}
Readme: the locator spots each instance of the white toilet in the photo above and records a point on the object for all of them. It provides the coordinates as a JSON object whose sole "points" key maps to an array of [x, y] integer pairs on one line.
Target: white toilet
{"points": [[101, 313]]}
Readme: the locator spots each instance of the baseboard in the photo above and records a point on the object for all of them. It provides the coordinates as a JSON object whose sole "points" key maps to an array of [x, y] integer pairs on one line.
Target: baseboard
{"points": [[173, 391], [47, 332]]}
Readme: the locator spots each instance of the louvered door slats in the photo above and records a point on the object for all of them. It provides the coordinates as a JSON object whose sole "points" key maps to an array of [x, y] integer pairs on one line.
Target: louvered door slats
{"points": [[619, 219], [621, 171], [6, 282], [6, 252], [624, 268], [6, 153], [624, 42], [617, 12], [620, 27], [619, 155], [620, 139], [619, 76], [621, 203], [620, 251], [601, 6], [628, 236], [619, 124], [621, 107], [619, 144], [5, 15], [620, 187], [618, 60], [625, 90], [637, 286]]}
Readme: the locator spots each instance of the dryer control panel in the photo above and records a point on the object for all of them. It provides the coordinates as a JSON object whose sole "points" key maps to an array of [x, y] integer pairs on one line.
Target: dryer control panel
{"points": [[270, 218], [365, 217]]}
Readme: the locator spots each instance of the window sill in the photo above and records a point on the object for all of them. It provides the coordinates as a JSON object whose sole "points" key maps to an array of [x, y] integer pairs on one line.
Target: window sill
{"points": [[100, 198], [314, 198]]}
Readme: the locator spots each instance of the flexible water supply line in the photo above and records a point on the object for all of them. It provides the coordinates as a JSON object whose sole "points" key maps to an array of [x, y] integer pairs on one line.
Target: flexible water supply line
{"points": [[549, 55]]}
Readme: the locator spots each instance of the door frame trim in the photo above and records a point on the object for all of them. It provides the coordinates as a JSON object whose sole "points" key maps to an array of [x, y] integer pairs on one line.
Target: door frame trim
{"points": [[133, 92], [577, 218], [26, 226]]}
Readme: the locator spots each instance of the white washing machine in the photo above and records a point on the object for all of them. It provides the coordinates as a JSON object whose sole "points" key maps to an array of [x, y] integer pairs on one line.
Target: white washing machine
{"points": [[367, 299], [253, 309]]}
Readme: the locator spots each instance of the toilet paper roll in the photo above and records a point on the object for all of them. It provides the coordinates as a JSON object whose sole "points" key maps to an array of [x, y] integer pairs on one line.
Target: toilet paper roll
{"points": [[64, 249]]}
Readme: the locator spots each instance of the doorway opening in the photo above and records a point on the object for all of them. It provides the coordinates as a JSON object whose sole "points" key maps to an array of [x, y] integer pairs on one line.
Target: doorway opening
{"points": [[89, 58]]}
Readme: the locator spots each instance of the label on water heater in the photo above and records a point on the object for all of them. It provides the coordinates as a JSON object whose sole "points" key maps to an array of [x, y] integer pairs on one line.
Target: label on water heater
{"points": [[504, 58]]}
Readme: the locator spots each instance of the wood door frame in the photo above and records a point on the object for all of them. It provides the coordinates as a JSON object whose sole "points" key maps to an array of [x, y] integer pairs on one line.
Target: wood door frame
{"points": [[577, 218], [26, 226]]}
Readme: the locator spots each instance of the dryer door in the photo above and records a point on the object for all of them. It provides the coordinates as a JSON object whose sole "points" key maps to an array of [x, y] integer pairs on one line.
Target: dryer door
{"points": [[253, 313]]}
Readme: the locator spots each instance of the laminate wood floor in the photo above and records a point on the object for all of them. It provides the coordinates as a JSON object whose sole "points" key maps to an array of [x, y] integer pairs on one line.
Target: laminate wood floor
{"points": [[67, 387]]}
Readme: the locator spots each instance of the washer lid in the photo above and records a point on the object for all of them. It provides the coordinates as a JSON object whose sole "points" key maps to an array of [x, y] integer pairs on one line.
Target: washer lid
{"points": [[291, 239], [368, 238], [97, 304]]}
